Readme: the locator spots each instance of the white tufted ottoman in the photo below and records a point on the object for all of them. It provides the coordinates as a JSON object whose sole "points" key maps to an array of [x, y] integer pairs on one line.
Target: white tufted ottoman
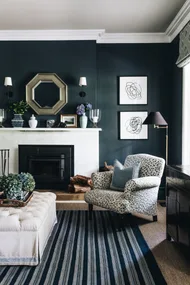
{"points": [[24, 231]]}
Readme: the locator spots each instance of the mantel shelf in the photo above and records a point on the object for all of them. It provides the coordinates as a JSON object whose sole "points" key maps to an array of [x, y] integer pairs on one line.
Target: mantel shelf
{"points": [[51, 130]]}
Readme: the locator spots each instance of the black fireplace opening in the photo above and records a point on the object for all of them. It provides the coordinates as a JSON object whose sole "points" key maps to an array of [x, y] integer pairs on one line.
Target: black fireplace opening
{"points": [[51, 165]]}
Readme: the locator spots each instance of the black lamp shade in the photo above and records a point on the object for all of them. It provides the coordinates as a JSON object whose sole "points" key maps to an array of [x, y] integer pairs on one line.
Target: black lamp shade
{"points": [[155, 118]]}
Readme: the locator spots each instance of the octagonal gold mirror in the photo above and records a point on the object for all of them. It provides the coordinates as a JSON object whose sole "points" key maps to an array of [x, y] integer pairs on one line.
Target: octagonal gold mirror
{"points": [[46, 94]]}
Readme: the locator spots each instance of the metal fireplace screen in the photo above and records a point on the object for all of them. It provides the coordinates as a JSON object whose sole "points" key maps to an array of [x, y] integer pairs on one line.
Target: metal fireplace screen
{"points": [[52, 166]]}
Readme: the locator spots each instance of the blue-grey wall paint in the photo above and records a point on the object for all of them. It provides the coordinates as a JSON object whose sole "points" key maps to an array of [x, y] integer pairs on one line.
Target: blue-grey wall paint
{"points": [[68, 59], [102, 64], [175, 107], [114, 60]]}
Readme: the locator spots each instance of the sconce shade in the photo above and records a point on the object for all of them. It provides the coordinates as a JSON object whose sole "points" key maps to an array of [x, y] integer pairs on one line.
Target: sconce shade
{"points": [[8, 81], [155, 118], [82, 81]]}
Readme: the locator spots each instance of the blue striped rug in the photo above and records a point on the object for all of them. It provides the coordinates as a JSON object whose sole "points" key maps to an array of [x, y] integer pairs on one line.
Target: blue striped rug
{"points": [[83, 252]]}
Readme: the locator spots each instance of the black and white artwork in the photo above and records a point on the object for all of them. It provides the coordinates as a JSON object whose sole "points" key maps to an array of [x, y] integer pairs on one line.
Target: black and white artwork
{"points": [[131, 126], [132, 90]]}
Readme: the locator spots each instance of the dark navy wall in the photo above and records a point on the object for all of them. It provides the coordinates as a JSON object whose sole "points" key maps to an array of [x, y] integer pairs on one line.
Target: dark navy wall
{"points": [[175, 107], [151, 60], [102, 64], [69, 59]]}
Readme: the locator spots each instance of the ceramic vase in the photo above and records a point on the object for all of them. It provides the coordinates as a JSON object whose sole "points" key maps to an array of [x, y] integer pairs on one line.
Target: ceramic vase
{"points": [[17, 121], [33, 122], [83, 121]]}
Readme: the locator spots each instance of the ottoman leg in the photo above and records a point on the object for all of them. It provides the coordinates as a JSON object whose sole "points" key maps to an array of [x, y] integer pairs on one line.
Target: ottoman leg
{"points": [[90, 209]]}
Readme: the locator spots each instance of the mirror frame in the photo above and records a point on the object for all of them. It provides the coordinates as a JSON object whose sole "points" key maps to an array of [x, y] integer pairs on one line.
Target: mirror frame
{"points": [[30, 93]]}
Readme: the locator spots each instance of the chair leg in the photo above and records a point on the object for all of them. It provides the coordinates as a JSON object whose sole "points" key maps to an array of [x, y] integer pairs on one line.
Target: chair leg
{"points": [[90, 209], [155, 218]]}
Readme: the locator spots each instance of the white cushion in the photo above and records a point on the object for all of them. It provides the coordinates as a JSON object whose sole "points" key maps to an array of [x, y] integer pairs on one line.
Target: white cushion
{"points": [[28, 218]]}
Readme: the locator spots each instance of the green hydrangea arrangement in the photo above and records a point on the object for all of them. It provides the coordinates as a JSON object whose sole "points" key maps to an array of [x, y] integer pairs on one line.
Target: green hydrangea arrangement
{"points": [[16, 186]]}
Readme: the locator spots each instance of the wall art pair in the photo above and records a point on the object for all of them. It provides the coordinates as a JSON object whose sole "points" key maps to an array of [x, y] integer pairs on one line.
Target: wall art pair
{"points": [[133, 91]]}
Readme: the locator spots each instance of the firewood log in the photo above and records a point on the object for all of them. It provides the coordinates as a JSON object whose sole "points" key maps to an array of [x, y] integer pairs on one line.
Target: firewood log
{"points": [[80, 189]]}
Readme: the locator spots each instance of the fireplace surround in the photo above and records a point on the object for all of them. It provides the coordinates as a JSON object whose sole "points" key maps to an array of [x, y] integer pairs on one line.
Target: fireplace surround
{"points": [[85, 142], [51, 165]]}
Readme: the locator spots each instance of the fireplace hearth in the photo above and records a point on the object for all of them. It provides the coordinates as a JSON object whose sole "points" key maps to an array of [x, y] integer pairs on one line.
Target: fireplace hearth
{"points": [[51, 165]]}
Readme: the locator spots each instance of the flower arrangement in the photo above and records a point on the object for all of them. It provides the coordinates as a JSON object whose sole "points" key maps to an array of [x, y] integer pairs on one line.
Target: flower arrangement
{"points": [[18, 107], [15, 186], [82, 108]]}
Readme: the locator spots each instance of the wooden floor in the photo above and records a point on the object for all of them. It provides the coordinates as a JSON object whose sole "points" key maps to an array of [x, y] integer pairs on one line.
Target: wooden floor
{"points": [[172, 262]]}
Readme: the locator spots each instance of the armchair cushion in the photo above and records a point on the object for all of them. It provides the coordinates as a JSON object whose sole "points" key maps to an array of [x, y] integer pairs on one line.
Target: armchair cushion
{"points": [[123, 174], [141, 183]]}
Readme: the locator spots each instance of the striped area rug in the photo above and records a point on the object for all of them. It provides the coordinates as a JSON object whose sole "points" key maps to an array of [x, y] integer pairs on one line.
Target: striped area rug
{"points": [[83, 252]]}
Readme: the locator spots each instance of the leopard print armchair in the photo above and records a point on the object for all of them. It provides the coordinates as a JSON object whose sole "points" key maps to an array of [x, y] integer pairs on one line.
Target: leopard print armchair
{"points": [[140, 194]]}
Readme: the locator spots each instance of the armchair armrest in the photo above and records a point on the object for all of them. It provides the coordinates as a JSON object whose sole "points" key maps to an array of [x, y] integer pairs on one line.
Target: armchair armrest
{"points": [[102, 180], [141, 183]]}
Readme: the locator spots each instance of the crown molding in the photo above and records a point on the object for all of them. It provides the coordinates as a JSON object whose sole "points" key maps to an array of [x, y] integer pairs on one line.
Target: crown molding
{"points": [[49, 35], [100, 36], [132, 38], [180, 20]]}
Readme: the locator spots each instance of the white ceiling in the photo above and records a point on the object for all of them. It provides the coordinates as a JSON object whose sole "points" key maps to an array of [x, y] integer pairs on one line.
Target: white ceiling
{"points": [[115, 16]]}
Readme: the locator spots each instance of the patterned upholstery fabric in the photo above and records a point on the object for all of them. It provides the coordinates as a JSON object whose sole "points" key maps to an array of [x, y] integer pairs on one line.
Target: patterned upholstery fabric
{"points": [[150, 165], [140, 194]]}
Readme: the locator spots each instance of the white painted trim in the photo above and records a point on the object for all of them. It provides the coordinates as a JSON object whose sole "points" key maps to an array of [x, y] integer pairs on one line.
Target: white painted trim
{"points": [[49, 35], [100, 36], [133, 38], [180, 20], [68, 35]]}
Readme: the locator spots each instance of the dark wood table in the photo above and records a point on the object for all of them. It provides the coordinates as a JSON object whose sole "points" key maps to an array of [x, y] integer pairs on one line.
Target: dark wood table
{"points": [[178, 204]]}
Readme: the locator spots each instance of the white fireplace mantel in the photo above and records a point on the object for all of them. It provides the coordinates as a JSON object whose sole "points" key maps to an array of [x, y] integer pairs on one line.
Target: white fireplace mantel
{"points": [[81, 130], [85, 141]]}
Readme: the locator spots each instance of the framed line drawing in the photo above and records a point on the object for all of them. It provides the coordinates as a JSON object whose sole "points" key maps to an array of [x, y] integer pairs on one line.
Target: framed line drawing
{"points": [[133, 90], [131, 126], [70, 120]]}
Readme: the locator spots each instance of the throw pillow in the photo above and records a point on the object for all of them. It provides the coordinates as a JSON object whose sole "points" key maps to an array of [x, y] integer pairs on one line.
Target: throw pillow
{"points": [[123, 174]]}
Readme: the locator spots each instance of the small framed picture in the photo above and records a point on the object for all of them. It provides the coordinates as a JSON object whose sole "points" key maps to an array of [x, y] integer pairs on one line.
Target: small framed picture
{"points": [[69, 120], [131, 125], [133, 90]]}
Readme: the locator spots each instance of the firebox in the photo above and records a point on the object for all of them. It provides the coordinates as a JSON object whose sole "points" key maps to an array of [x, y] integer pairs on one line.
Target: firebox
{"points": [[51, 165]]}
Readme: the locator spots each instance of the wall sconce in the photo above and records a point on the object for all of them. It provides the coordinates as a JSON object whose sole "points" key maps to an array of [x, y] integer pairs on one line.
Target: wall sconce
{"points": [[82, 82], [8, 84]]}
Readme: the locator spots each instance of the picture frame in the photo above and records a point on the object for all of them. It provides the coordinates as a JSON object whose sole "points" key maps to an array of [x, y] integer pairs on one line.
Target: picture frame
{"points": [[133, 90], [69, 119], [131, 126]]}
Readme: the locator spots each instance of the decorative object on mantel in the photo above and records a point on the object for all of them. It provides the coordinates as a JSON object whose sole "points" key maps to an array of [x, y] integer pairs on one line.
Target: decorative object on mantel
{"points": [[8, 84], [16, 186], [69, 119], [60, 125], [95, 116], [81, 111], [82, 82], [18, 108], [50, 123], [32, 122], [80, 184]]}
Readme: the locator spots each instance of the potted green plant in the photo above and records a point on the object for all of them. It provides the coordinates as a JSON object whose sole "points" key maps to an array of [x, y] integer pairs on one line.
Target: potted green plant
{"points": [[18, 109], [16, 186]]}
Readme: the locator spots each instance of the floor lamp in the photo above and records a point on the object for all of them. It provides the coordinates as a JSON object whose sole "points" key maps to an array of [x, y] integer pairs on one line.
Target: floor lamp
{"points": [[156, 119]]}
